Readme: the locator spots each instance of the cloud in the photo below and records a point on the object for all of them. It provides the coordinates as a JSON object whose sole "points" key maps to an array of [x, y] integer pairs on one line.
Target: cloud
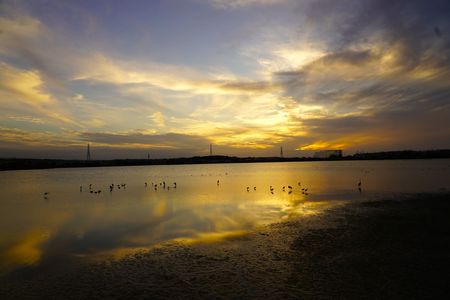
{"points": [[141, 139], [348, 73], [234, 4], [158, 119], [11, 137], [101, 69], [24, 90], [24, 118]]}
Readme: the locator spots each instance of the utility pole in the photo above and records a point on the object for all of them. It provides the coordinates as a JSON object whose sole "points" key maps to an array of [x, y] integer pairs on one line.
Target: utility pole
{"points": [[88, 154]]}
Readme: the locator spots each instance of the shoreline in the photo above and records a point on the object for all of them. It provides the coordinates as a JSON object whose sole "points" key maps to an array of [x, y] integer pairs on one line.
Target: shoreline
{"points": [[398, 247], [12, 164]]}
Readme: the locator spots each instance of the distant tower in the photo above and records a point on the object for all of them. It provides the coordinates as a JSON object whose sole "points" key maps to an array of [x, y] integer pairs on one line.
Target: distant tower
{"points": [[88, 154], [148, 155], [210, 149], [281, 152]]}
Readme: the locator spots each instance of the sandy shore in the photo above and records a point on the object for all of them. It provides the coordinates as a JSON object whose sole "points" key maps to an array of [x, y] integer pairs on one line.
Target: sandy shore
{"points": [[396, 248]]}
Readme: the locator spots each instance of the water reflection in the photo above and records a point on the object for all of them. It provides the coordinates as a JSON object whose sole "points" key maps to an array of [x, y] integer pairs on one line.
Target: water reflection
{"points": [[69, 223]]}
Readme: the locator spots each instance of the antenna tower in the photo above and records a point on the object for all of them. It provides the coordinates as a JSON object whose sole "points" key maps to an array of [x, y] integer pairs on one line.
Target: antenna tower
{"points": [[88, 154]]}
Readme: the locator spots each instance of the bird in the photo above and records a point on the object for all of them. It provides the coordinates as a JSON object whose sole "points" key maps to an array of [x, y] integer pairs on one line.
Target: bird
{"points": [[359, 183], [299, 183], [289, 187], [218, 182], [174, 185], [248, 189], [145, 184], [254, 188], [81, 188]]}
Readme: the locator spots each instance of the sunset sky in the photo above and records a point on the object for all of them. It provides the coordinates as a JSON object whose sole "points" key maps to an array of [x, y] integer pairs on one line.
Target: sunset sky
{"points": [[170, 77]]}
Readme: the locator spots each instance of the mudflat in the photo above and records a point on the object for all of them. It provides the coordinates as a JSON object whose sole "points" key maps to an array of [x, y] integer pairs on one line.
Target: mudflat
{"points": [[394, 248]]}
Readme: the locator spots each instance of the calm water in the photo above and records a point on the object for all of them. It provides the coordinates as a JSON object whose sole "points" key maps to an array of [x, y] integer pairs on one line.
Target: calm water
{"points": [[35, 230]]}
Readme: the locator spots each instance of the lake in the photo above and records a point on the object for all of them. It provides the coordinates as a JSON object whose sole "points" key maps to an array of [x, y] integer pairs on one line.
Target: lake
{"points": [[209, 202]]}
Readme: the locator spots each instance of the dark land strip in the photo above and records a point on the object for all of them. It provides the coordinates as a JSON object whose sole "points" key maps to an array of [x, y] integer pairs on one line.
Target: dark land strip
{"points": [[29, 164]]}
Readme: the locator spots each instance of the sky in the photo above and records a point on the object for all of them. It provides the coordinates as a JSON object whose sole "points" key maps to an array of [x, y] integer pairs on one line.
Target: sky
{"points": [[169, 78]]}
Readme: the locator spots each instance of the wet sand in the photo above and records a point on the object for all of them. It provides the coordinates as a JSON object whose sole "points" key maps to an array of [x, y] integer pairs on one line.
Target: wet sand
{"points": [[396, 248]]}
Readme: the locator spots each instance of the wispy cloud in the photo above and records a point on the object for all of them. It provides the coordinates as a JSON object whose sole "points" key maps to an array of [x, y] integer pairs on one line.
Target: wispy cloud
{"points": [[145, 140], [233, 4]]}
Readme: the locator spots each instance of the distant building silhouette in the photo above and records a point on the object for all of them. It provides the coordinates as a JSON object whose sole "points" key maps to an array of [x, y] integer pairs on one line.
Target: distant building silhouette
{"points": [[328, 153], [88, 154], [281, 152], [210, 149]]}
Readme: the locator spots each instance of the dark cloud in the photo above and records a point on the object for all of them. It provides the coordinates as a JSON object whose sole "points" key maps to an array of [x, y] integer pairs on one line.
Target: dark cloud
{"points": [[403, 129], [437, 31], [158, 140], [338, 126], [243, 86], [388, 63]]}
